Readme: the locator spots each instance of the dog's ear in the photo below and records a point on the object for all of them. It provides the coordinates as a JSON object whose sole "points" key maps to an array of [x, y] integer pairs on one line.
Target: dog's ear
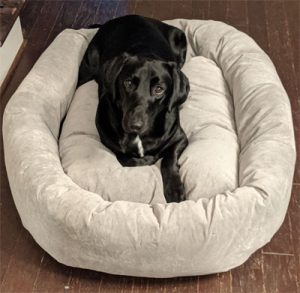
{"points": [[110, 72], [178, 44], [89, 66], [181, 87]]}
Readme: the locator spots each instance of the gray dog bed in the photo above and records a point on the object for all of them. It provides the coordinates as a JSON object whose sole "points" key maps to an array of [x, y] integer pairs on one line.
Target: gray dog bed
{"points": [[88, 211]]}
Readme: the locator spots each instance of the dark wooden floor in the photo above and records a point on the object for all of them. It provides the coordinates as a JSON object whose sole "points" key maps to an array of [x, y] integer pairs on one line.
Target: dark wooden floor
{"points": [[25, 267], [8, 14]]}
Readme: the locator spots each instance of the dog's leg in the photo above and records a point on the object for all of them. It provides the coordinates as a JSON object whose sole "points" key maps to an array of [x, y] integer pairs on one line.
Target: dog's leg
{"points": [[173, 187]]}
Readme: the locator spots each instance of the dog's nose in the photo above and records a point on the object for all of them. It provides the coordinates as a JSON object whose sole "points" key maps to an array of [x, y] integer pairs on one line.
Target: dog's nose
{"points": [[137, 124]]}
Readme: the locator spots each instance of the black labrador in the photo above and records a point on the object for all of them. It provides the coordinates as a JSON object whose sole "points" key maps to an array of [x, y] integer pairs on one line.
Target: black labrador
{"points": [[136, 62]]}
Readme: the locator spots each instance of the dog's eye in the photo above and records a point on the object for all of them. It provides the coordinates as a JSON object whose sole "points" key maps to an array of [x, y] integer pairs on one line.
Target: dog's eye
{"points": [[157, 90], [128, 83]]}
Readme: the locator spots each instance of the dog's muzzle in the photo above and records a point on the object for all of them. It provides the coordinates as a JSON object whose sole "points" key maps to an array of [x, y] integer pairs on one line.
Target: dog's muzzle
{"points": [[135, 120]]}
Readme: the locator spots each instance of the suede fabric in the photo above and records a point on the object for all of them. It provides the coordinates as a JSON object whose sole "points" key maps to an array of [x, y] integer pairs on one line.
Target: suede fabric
{"points": [[230, 213]]}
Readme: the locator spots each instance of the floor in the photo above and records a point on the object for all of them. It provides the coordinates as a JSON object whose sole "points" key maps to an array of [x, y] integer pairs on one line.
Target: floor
{"points": [[25, 267], [9, 13]]}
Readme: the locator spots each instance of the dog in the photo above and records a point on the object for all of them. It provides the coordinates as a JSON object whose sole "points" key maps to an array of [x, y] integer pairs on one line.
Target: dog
{"points": [[137, 63]]}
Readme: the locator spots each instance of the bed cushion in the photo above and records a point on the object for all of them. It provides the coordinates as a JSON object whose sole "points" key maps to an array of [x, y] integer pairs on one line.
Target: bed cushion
{"points": [[208, 166], [201, 236]]}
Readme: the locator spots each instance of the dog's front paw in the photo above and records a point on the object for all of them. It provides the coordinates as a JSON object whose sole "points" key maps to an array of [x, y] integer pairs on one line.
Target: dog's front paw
{"points": [[129, 161], [174, 190]]}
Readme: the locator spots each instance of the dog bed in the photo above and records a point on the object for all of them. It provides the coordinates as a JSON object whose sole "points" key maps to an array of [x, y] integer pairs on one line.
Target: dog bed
{"points": [[238, 168], [208, 166]]}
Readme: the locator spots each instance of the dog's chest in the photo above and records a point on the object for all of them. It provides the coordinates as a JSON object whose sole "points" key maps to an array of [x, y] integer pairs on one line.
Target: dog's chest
{"points": [[139, 145], [132, 144]]}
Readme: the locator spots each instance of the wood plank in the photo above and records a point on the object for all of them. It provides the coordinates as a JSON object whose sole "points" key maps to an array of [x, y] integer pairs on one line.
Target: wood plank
{"points": [[242, 28], [257, 23], [296, 179], [139, 285], [29, 16], [85, 13], [280, 273], [294, 215], [126, 7], [164, 10], [85, 281], [10, 224], [183, 9], [200, 9], [52, 276], [225, 282], [69, 16], [249, 277], [217, 10], [280, 48], [212, 283], [23, 266], [145, 7], [292, 12], [159, 285], [237, 13], [181, 284], [282, 242], [106, 11], [11, 228], [124, 284], [66, 19], [89, 281], [41, 30]]}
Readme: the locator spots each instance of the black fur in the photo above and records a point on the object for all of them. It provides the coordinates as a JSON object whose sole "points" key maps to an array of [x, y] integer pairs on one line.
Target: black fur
{"points": [[136, 61]]}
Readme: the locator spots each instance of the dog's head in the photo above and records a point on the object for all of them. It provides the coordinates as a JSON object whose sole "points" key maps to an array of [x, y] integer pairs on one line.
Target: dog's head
{"points": [[144, 90]]}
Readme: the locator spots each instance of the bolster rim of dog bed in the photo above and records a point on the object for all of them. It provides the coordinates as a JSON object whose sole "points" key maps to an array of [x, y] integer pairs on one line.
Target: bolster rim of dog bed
{"points": [[80, 229]]}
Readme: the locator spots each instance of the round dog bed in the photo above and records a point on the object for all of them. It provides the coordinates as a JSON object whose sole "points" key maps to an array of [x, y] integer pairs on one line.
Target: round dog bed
{"points": [[208, 165], [211, 231]]}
